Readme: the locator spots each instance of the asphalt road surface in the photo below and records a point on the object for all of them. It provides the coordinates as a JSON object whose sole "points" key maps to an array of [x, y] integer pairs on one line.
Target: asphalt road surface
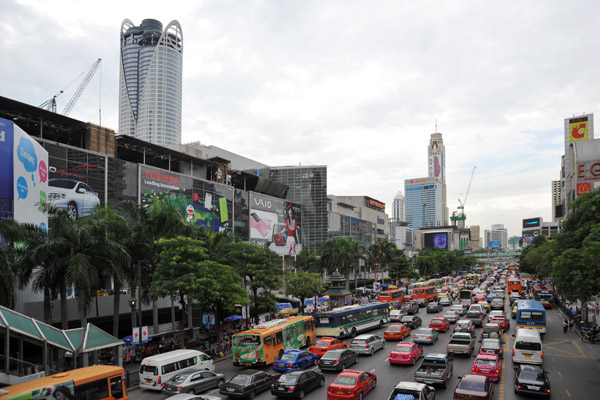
{"points": [[573, 367]]}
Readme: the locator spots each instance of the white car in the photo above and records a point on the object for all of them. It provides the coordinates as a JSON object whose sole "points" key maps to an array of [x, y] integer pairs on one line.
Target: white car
{"points": [[77, 197]]}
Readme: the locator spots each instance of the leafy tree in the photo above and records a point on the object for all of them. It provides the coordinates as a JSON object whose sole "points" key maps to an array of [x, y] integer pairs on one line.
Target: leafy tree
{"points": [[308, 260], [381, 253], [336, 256], [303, 285], [400, 266]]}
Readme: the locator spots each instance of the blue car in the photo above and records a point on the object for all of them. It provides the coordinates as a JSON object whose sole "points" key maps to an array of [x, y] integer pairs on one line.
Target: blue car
{"points": [[295, 359], [491, 296]]}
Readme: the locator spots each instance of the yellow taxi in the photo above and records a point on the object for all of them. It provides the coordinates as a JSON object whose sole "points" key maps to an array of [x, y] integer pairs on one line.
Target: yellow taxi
{"points": [[485, 305], [514, 311]]}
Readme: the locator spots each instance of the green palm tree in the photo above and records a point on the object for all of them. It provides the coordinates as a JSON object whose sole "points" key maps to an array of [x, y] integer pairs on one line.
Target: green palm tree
{"points": [[381, 254], [336, 256], [358, 255]]}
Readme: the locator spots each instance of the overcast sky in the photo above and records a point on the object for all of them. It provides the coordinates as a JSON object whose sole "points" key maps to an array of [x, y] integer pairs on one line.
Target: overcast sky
{"points": [[354, 85]]}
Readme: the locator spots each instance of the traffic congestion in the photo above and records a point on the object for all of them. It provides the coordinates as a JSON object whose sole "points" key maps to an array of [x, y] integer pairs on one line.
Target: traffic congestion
{"points": [[486, 351]]}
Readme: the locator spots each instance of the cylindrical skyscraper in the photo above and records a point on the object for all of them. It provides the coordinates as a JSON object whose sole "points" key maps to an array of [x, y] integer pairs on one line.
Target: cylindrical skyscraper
{"points": [[150, 85], [398, 207]]}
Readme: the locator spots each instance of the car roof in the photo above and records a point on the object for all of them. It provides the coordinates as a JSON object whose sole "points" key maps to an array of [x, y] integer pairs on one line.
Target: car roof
{"points": [[491, 326], [475, 378], [294, 351], [249, 372], [296, 372], [335, 351], [486, 355], [364, 336], [410, 385], [352, 372]]}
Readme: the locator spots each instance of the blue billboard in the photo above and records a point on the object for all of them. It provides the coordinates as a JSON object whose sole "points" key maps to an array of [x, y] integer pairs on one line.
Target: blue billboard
{"points": [[495, 244]]}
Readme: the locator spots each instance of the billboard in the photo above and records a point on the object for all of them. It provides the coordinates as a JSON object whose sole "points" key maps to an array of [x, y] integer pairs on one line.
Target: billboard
{"points": [[578, 129], [276, 223], [24, 177], [532, 223], [495, 244], [437, 240]]}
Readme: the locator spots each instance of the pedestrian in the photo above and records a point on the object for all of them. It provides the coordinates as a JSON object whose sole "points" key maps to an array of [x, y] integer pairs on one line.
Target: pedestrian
{"points": [[597, 308], [565, 326], [571, 325]]}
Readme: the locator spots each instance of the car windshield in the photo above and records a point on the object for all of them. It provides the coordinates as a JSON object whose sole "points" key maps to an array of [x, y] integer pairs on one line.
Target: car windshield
{"points": [[395, 328], [288, 378], [331, 355], [437, 321], [322, 343], [490, 344], [484, 362], [345, 380], [466, 384], [402, 349], [288, 357], [532, 346], [531, 375], [406, 319], [240, 380], [179, 378], [423, 331]]}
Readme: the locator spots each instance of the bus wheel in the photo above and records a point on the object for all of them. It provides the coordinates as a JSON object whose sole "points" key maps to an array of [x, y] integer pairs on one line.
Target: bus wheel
{"points": [[353, 332]]}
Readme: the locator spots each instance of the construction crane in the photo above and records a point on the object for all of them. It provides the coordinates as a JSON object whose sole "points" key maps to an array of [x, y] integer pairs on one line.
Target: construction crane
{"points": [[51, 104], [461, 208]]}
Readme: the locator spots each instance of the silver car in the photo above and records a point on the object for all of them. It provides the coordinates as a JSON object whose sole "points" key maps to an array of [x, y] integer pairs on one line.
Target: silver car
{"points": [[367, 344], [193, 381], [451, 316], [76, 197], [425, 335]]}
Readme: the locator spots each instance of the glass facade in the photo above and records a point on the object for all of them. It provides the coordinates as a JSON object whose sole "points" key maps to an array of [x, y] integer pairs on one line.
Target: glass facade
{"points": [[307, 187], [352, 228], [423, 203], [150, 88]]}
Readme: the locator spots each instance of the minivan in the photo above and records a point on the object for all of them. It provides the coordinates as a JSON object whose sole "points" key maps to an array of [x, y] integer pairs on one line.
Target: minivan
{"points": [[156, 370], [528, 347]]}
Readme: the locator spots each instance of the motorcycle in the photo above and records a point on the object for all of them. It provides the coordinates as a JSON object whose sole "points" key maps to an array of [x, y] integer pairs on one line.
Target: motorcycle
{"points": [[590, 336]]}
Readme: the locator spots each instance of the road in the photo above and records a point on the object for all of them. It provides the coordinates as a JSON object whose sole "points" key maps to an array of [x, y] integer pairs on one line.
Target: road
{"points": [[572, 366]]}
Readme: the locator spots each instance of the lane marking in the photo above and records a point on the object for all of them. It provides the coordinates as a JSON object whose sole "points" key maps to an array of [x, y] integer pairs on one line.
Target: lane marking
{"points": [[579, 348], [568, 393], [559, 374]]}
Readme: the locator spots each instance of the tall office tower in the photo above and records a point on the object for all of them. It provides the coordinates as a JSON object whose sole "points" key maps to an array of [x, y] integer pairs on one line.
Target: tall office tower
{"points": [[308, 187], [499, 233], [150, 85], [579, 132], [423, 203], [436, 157], [398, 207], [556, 193]]}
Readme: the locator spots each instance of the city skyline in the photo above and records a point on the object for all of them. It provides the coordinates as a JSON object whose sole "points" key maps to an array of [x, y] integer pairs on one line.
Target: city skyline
{"points": [[343, 84]]}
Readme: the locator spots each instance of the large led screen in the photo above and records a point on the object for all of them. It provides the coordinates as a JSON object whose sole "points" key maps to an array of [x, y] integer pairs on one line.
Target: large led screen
{"points": [[438, 240]]}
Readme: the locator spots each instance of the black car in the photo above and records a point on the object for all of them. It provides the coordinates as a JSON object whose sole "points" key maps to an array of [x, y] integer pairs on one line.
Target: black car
{"points": [[248, 383], [412, 321], [338, 359], [475, 317], [492, 346], [434, 307], [531, 379], [296, 383], [491, 331]]}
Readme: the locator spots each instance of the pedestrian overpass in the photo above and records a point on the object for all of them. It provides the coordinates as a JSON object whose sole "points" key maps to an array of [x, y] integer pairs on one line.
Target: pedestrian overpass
{"points": [[497, 256]]}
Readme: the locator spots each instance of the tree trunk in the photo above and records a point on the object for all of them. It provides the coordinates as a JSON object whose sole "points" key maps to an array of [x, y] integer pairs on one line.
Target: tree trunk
{"points": [[155, 317], [116, 307], [47, 307], [64, 312], [183, 312], [82, 308]]}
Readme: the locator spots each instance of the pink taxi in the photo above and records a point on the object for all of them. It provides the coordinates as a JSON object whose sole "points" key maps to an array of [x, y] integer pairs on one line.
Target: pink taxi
{"points": [[487, 365], [406, 353]]}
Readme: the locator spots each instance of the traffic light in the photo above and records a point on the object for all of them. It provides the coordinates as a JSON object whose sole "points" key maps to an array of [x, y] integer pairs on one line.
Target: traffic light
{"points": [[132, 303]]}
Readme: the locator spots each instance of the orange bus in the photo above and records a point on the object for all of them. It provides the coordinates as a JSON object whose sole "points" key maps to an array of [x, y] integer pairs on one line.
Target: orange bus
{"points": [[388, 296], [97, 382], [267, 342], [514, 285], [424, 292]]}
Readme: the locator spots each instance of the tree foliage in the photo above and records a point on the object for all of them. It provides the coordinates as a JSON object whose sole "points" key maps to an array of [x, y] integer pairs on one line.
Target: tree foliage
{"points": [[303, 285]]}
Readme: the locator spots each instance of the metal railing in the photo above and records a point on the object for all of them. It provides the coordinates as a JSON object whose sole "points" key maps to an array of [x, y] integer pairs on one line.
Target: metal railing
{"points": [[17, 367]]}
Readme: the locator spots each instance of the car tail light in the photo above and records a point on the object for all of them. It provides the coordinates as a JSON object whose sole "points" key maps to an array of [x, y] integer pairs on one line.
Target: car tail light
{"points": [[428, 337], [447, 346], [473, 369], [290, 365], [519, 386], [178, 387], [468, 347], [272, 386], [159, 380], [337, 362], [547, 390], [367, 345], [542, 354], [513, 352], [497, 371], [292, 388]]}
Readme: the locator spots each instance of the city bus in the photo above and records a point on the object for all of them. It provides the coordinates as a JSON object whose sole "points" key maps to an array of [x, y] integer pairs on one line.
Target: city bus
{"points": [[97, 382], [466, 297], [388, 296], [266, 342], [514, 285], [531, 314], [544, 294], [428, 293], [350, 320]]}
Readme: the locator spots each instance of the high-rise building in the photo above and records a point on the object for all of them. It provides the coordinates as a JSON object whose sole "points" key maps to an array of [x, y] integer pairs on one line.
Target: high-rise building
{"points": [[399, 207], [150, 85], [423, 203], [498, 233], [436, 158], [556, 193]]}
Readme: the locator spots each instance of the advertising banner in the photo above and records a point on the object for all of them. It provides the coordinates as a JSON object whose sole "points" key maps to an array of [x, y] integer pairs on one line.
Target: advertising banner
{"points": [[24, 177], [532, 223], [495, 244], [135, 335], [578, 129], [144, 334], [76, 180], [276, 223], [585, 187]]}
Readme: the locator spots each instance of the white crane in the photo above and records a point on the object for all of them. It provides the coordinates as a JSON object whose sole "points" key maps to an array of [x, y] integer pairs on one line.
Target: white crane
{"points": [[51, 104], [461, 208]]}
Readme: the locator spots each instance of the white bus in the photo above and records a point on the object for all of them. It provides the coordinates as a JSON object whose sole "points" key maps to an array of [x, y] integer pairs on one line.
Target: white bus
{"points": [[156, 370]]}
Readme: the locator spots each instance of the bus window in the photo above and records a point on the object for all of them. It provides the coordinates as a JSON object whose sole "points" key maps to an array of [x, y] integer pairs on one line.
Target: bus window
{"points": [[116, 387], [269, 341], [279, 336], [93, 390]]}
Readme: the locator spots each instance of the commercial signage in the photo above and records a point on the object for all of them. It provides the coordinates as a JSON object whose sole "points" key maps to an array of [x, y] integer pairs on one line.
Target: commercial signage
{"points": [[420, 180], [376, 204], [276, 223], [590, 171], [532, 223], [438, 240], [584, 187], [578, 129], [24, 177], [495, 244]]}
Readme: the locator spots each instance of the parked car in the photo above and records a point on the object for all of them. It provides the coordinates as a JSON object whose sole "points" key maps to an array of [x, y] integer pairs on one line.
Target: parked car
{"points": [[440, 324], [295, 359], [338, 359], [324, 344], [248, 383], [296, 384], [531, 379], [191, 396], [492, 346], [351, 384], [487, 365], [367, 343], [412, 321], [451, 316], [193, 381], [405, 353], [425, 335], [474, 387], [396, 332], [434, 307], [77, 197]]}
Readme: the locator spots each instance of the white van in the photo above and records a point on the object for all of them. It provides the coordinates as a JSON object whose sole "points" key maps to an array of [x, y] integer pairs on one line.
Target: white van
{"points": [[155, 370], [528, 347]]}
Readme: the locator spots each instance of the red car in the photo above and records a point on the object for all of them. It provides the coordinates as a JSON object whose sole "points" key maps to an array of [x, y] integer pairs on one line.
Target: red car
{"points": [[440, 324], [406, 353], [396, 332], [487, 365], [324, 344], [351, 384], [474, 387], [502, 321]]}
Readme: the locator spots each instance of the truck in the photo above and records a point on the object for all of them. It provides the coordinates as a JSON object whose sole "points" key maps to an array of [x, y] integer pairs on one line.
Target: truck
{"points": [[436, 368], [413, 391], [460, 343]]}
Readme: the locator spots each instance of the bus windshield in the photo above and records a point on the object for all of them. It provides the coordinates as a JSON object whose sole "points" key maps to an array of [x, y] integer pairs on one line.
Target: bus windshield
{"points": [[246, 340], [531, 316]]}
